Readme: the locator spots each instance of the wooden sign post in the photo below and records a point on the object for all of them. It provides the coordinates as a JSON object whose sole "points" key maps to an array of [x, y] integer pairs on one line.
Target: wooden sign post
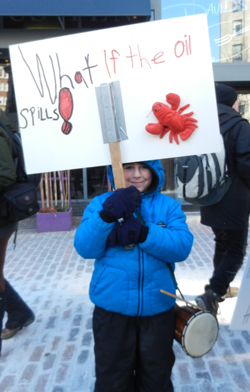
{"points": [[113, 129], [111, 114], [116, 159]]}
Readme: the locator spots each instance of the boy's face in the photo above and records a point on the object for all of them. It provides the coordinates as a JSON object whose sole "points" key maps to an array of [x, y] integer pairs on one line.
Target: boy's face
{"points": [[138, 175]]}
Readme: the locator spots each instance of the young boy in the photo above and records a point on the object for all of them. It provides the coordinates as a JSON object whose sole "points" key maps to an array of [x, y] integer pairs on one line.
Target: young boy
{"points": [[133, 322]]}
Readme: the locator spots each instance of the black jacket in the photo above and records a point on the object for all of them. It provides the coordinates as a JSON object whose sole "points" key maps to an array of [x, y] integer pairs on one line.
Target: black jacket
{"points": [[232, 212], [7, 165]]}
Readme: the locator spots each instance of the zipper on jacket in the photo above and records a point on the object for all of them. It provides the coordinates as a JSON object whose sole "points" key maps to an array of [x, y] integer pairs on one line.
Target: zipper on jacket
{"points": [[140, 283]]}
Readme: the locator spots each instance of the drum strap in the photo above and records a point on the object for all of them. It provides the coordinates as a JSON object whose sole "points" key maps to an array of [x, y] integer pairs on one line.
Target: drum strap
{"points": [[168, 264], [172, 272]]}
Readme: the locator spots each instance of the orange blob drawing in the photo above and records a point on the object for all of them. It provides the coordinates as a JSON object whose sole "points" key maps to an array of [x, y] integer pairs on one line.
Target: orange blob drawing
{"points": [[66, 109]]}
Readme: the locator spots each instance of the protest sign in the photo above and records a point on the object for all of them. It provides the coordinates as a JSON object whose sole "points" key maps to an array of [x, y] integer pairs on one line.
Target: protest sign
{"points": [[241, 315], [55, 81]]}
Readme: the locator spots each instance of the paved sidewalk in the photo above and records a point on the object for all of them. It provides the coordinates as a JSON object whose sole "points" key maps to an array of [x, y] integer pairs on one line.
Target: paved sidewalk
{"points": [[55, 353]]}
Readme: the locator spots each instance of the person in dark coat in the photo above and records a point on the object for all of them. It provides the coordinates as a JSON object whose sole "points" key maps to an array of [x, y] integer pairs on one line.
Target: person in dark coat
{"points": [[229, 218], [19, 314]]}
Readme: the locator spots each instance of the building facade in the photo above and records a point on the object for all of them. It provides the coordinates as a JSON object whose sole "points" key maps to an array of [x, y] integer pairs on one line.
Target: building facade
{"points": [[25, 21]]}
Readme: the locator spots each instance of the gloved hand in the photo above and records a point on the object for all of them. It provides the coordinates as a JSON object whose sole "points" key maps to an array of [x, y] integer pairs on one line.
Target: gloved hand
{"points": [[130, 231], [121, 204]]}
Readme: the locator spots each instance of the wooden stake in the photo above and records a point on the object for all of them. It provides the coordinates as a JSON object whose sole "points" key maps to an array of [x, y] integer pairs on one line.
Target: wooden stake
{"points": [[116, 160], [69, 195], [47, 190], [41, 190], [55, 188], [65, 187], [117, 168], [60, 184], [50, 191]]}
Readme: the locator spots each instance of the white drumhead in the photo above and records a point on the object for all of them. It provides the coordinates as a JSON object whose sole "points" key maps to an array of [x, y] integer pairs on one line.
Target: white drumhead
{"points": [[200, 334]]}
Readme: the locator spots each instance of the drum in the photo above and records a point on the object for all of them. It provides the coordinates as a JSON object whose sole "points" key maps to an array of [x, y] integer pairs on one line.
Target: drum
{"points": [[196, 330]]}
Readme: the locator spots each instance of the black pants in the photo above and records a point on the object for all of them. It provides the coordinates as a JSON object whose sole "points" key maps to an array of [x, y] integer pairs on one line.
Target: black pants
{"points": [[230, 249], [18, 311], [133, 354]]}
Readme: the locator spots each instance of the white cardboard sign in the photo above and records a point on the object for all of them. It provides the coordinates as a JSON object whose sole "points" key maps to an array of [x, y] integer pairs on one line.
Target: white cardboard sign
{"points": [[55, 82], [241, 315]]}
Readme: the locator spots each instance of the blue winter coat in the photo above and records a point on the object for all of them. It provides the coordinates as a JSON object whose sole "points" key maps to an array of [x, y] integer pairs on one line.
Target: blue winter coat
{"points": [[129, 281]]}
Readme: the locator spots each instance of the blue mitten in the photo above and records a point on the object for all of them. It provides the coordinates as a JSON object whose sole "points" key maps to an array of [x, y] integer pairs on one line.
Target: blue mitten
{"points": [[121, 204], [130, 231]]}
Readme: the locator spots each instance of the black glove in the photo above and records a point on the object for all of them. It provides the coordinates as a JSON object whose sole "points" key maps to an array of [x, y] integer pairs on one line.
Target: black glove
{"points": [[130, 231], [121, 204]]}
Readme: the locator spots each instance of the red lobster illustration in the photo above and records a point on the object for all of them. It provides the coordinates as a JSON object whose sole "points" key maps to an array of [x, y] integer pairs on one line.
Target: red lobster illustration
{"points": [[170, 119]]}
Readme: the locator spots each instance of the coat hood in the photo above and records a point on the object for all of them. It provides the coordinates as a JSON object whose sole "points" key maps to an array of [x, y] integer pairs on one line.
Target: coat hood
{"points": [[226, 113], [157, 179], [226, 95]]}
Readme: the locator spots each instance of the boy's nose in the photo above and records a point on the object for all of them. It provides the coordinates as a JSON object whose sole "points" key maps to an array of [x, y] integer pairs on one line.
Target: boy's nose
{"points": [[137, 172]]}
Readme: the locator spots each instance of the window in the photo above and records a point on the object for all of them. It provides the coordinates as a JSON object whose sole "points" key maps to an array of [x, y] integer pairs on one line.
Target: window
{"points": [[1, 86], [6, 86], [237, 27], [3, 101], [237, 7], [3, 74], [237, 52]]}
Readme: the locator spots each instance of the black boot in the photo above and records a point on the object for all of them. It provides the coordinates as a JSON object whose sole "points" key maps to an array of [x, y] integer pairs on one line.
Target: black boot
{"points": [[209, 301], [19, 314]]}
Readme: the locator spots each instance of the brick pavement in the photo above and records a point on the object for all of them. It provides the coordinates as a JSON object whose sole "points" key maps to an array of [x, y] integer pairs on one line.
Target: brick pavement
{"points": [[55, 353]]}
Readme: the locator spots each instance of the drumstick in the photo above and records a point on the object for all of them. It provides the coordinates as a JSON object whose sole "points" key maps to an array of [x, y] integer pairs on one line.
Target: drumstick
{"points": [[181, 299]]}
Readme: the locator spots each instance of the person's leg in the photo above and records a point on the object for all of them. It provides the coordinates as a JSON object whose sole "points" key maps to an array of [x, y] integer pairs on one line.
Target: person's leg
{"points": [[234, 242], [19, 314], [115, 350], [3, 247], [219, 249], [155, 358]]}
